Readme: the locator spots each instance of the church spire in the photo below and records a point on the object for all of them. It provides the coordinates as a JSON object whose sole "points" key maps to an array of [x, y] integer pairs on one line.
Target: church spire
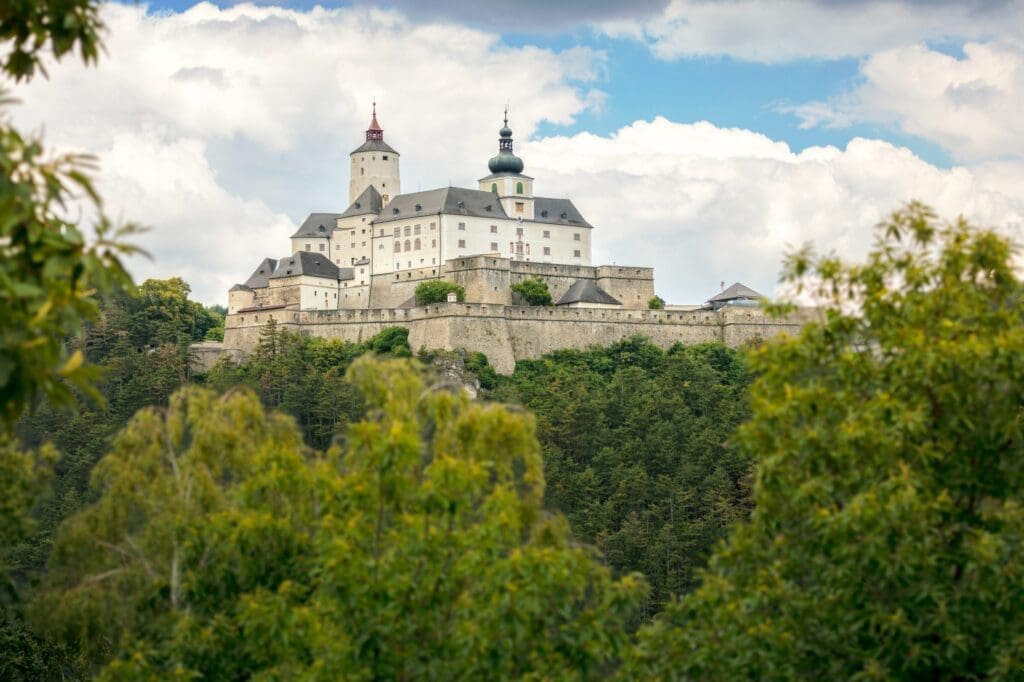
{"points": [[506, 161], [374, 133]]}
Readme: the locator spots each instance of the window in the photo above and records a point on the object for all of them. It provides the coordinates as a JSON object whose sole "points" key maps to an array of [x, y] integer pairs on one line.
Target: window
{"points": [[512, 247], [433, 243], [417, 245], [547, 234], [353, 245], [385, 157], [408, 230], [462, 226], [309, 247], [494, 246], [527, 249], [462, 243], [363, 243], [494, 187], [361, 232], [362, 171], [520, 207], [398, 247], [416, 229], [519, 188], [575, 236], [380, 247], [337, 247], [519, 232], [408, 245], [433, 226], [547, 250], [337, 261], [576, 253], [322, 246], [398, 232], [382, 232]]}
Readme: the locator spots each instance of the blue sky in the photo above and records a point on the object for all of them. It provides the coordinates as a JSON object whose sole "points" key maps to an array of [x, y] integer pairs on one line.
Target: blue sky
{"points": [[222, 125]]}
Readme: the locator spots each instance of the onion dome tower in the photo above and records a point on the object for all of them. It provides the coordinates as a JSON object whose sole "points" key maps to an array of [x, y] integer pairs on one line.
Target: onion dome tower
{"points": [[506, 161], [514, 190], [374, 163]]}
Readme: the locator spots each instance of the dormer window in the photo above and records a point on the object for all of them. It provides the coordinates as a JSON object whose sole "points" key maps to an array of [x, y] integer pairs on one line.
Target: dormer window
{"points": [[461, 204], [419, 207], [394, 211], [321, 228], [487, 208], [544, 214]]}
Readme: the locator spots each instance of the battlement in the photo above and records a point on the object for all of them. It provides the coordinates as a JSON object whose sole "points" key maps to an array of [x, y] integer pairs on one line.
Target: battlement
{"points": [[507, 333]]}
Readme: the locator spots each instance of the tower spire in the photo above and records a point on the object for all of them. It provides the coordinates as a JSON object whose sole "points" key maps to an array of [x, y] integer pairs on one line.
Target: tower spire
{"points": [[506, 161], [374, 133]]}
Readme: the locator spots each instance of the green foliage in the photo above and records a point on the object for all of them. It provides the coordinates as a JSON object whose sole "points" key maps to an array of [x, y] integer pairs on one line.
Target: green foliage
{"points": [[32, 26], [533, 290], [305, 376], [50, 273], [220, 548], [888, 536], [437, 290], [634, 441], [656, 303]]}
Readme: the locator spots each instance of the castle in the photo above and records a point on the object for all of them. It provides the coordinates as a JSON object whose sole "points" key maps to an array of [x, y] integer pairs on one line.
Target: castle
{"points": [[351, 274]]}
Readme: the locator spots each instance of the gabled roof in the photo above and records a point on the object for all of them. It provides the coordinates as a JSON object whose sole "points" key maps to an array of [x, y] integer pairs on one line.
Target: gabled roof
{"points": [[317, 225], [239, 287], [736, 291], [370, 201], [449, 200], [587, 291], [309, 264], [260, 276], [557, 212], [374, 146]]}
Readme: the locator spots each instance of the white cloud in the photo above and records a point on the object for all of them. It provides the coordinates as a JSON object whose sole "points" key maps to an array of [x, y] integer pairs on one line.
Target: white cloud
{"points": [[705, 204], [203, 119], [971, 106], [773, 32], [222, 128]]}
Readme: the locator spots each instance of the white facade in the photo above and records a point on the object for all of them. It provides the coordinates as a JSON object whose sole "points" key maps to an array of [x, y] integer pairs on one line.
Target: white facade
{"points": [[374, 167]]}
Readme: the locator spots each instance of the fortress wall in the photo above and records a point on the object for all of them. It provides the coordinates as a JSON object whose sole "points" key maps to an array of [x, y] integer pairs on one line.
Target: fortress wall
{"points": [[392, 289], [485, 278], [633, 286], [506, 334]]}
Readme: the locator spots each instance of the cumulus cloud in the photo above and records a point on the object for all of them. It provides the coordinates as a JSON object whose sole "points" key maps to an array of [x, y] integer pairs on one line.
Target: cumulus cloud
{"points": [[773, 32], [705, 204], [972, 106], [213, 124]]}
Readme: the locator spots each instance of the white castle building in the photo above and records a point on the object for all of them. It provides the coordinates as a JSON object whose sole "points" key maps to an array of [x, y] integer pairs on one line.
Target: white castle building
{"points": [[352, 274], [351, 259]]}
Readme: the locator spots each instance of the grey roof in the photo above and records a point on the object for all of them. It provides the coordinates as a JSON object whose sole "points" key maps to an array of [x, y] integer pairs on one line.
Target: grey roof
{"points": [[260, 276], [736, 291], [374, 146], [362, 261], [310, 264], [370, 201], [318, 225], [557, 212], [239, 287], [450, 200], [587, 291]]}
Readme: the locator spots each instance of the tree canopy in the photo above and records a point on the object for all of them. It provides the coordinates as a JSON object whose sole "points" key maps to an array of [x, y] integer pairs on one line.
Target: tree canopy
{"points": [[887, 538], [437, 290], [533, 291], [219, 546]]}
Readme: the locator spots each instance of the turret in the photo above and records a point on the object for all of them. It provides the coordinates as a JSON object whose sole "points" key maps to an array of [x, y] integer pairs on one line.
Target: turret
{"points": [[514, 190], [374, 163]]}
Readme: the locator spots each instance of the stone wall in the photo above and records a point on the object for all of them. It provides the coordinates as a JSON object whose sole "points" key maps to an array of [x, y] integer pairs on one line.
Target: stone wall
{"points": [[510, 333]]}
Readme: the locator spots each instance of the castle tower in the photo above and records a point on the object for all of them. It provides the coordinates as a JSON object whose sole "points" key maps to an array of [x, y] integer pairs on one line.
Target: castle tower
{"points": [[514, 190], [374, 163]]}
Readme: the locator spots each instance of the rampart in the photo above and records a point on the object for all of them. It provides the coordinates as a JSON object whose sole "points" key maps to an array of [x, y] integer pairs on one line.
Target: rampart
{"points": [[506, 333]]}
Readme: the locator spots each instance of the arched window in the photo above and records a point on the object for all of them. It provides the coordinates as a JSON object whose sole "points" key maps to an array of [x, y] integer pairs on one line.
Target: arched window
{"points": [[362, 171], [494, 187], [527, 249], [407, 245], [398, 247], [417, 245], [519, 188]]}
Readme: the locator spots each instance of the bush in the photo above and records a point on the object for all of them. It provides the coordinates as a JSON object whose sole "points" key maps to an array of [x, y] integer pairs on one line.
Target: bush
{"points": [[533, 290], [437, 290], [656, 303]]}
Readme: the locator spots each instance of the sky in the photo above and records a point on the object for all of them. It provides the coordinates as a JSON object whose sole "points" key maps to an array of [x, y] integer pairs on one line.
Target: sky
{"points": [[705, 138]]}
